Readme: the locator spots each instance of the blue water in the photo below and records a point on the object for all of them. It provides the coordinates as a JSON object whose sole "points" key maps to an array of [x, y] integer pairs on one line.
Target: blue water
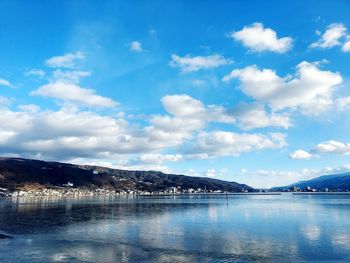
{"points": [[251, 228]]}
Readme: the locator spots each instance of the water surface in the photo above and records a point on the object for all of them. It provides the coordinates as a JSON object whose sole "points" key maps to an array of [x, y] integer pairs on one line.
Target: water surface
{"points": [[249, 228]]}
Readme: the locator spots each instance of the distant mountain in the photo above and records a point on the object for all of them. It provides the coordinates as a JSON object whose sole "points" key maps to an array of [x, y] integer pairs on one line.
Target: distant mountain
{"points": [[18, 173], [334, 182]]}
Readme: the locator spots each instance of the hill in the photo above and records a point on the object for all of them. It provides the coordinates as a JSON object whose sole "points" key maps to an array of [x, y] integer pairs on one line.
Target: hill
{"points": [[334, 182], [18, 173]]}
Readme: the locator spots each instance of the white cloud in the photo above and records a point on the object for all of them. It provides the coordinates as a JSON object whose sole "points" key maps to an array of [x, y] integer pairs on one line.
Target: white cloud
{"points": [[74, 94], [252, 116], [346, 45], [310, 90], [269, 178], [63, 134], [331, 36], [190, 64], [259, 39], [211, 173], [157, 158], [29, 108], [68, 76], [4, 100], [4, 82], [136, 46], [191, 172], [188, 116], [35, 72], [80, 137], [184, 106], [333, 146], [145, 167], [343, 103], [70, 133], [301, 155], [222, 143], [5, 136], [66, 61], [172, 131]]}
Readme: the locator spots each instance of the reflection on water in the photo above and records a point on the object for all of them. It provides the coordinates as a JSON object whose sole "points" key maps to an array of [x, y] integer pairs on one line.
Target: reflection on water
{"points": [[250, 228]]}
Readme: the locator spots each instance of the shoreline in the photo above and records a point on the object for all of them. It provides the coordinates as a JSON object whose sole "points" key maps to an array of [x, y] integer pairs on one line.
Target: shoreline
{"points": [[321, 193], [238, 193], [111, 193]]}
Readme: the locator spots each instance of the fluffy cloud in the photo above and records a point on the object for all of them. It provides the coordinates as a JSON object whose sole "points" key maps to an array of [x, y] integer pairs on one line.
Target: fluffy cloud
{"points": [[35, 72], [222, 143], [66, 61], [300, 155], [29, 108], [310, 89], [331, 36], [211, 173], [270, 178], [343, 103], [206, 173], [154, 158], [70, 134], [4, 100], [4, 82], [190, 64], [66, 133], [157, 158], [172, 131], [184, 106], [188, 115], [333, 146], [68, 76], [136, 46], [259, 39], [346, 46], [74, 94], [252, 116]]}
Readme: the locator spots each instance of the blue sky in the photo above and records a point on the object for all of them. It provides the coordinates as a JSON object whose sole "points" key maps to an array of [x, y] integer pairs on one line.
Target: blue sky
{"points": [[249, 91]]}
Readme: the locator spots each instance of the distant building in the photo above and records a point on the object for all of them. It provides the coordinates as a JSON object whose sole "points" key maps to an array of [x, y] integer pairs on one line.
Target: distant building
{"points": [[308, 189], [174, 190], [294, 189], [95, 172], [69, 184]]}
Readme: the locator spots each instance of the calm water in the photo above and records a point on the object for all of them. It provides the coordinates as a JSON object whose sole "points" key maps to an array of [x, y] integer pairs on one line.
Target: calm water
{"points": [[250, 228]]}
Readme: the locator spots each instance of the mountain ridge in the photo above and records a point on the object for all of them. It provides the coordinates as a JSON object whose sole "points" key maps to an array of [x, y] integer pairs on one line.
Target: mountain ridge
{"points": [[333, 182], [21, 173]]}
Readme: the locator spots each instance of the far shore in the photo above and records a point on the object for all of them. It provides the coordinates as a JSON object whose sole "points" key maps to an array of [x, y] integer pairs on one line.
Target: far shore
{"points": [[229, 193], [321, 193], [111, 193]]}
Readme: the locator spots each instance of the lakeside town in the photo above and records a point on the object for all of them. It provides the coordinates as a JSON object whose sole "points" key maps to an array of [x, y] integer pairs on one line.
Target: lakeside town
{"points": [[68, 190]]}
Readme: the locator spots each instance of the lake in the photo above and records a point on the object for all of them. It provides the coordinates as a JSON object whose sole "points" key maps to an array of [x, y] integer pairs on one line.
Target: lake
{"points": [[198, 228]]}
